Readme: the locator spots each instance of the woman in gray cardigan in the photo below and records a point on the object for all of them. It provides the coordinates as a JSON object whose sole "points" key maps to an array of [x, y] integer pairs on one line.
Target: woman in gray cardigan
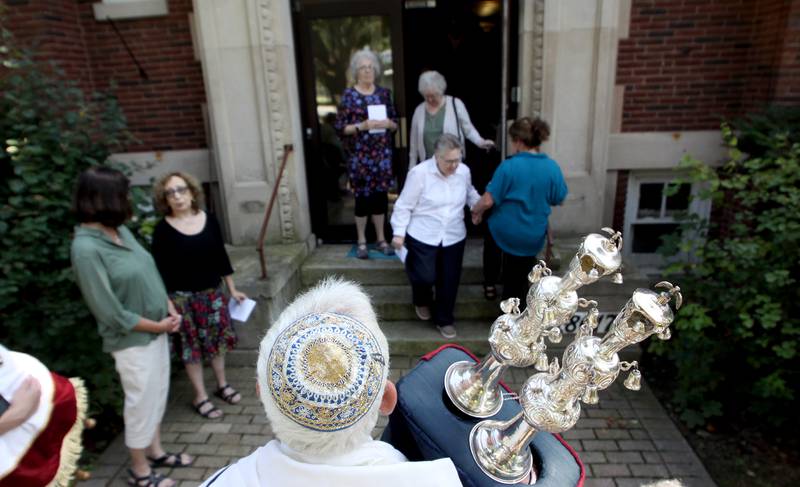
{"points": [[439, 114]]}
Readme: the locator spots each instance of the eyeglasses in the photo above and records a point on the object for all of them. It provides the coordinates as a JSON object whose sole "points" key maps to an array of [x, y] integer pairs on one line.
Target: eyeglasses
{"points": [[365, 68], [172, 193], [451, 161]]}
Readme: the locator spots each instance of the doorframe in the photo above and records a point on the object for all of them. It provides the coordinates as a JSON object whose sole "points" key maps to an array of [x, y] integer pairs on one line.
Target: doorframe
{"points": [[303, 11]]}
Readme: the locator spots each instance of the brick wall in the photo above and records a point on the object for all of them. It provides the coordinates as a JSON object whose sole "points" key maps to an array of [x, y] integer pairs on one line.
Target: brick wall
{"points": [[53, 30], [164, 111], [687, 64], [787, 85]]}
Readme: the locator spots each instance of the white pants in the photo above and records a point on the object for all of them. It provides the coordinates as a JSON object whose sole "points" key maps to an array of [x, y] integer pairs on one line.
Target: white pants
{"points": [[144, 373]]}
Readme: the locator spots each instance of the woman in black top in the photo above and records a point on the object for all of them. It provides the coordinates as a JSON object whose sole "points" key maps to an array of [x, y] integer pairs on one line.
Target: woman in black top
{"points": [[190, 254]]}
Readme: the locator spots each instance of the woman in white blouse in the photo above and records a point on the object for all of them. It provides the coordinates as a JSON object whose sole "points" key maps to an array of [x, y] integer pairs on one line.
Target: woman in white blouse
{"points": [[428, 219], [439, 114]]}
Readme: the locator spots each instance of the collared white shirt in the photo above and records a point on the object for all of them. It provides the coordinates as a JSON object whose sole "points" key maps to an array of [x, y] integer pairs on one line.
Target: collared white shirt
{"points": [[431, 206]]}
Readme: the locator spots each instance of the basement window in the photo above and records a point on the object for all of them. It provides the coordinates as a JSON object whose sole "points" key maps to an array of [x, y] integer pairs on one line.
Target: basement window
{"points": [[129, 9], [650, 214]]}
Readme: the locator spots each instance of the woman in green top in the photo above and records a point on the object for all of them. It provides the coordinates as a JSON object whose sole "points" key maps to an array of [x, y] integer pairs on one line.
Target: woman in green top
{"points": [[122, 287]]}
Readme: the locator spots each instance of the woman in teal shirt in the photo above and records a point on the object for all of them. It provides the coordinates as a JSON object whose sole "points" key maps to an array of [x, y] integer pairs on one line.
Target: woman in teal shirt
{"points": [[121, 285], [521, 192]]}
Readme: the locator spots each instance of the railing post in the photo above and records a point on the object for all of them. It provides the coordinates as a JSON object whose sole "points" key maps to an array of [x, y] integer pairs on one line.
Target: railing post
{"points": [[287, 149]]}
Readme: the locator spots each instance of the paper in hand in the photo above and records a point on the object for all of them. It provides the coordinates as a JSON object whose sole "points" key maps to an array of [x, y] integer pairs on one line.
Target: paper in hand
{"points": [[241, 312], [376, 112], [401, 253]]}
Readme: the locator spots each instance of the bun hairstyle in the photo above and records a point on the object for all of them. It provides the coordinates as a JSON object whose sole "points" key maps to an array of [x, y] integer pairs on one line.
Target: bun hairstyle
{"points": [[532, 132]]}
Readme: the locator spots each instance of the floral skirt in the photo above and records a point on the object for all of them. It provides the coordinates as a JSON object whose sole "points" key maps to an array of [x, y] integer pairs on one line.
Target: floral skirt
{"points": [[206, 330]]}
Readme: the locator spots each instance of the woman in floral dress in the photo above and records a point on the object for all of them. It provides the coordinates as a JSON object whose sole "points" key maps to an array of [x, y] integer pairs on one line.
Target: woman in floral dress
{"points": [[191, 257], [368, 144]]}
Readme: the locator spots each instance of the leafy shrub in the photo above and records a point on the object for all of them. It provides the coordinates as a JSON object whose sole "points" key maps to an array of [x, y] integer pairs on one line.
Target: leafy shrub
{"points": [[736, 344], [49, 132]]}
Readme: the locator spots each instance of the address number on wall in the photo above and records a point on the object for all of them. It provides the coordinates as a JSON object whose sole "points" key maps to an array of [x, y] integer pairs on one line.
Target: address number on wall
{"points": [[604, 321]]}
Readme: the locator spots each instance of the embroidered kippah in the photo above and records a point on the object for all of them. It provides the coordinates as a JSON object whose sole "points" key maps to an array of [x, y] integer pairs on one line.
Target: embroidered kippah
{"points": [[325, 371]]}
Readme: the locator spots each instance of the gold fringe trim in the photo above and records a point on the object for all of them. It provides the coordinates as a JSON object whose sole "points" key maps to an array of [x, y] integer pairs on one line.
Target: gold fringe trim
{"points": [[72, 446]]}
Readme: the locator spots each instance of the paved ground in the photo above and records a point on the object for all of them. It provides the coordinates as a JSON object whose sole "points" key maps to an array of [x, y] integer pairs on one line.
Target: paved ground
{"points": [[627, 440]]}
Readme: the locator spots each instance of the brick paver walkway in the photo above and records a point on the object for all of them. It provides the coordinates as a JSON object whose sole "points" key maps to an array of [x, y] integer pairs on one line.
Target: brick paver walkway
{"points": [[627, 440]]}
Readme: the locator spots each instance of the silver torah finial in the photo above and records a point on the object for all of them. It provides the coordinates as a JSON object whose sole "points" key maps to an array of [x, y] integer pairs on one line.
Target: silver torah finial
{"points": [[517, 339], [551, 400]]}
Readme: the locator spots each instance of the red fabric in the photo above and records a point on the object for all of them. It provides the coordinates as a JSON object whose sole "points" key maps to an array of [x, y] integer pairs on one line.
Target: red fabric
{"points": [[40, 464], [572, 452]]}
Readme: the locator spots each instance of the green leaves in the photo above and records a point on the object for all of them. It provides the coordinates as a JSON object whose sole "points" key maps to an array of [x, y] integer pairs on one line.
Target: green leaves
{"points": [[50, 133], [736, 338]]}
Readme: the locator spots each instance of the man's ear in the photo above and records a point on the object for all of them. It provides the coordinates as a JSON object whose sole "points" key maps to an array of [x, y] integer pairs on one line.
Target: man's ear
{"points": [[389, 400], [258, 390]]}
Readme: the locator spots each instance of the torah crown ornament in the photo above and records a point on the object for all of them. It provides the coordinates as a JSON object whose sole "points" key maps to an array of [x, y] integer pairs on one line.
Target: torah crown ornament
{"points": [[517, 339]]}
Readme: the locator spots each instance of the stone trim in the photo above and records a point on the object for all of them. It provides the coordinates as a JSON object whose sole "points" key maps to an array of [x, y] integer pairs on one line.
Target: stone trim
{"points": [[129, 9], [538, 56], [663, 150], [276, 110], [530, 59]]}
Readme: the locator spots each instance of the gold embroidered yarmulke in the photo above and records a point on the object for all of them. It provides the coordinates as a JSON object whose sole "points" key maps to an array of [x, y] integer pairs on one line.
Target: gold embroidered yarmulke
{"points": [[325, 371]]}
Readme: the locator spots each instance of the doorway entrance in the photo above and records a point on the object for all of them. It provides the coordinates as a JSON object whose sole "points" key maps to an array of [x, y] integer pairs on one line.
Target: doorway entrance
{"points": [[460, 39]]}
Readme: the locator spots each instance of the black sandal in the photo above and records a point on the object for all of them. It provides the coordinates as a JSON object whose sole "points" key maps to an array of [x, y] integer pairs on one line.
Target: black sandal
{"points": [[207, 414], [490, 293], [150, 480], [162, 461], [220, 393]]}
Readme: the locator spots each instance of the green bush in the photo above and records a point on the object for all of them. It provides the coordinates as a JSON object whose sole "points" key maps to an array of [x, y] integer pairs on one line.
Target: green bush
{"points": [[736, 345], [49, 132]]}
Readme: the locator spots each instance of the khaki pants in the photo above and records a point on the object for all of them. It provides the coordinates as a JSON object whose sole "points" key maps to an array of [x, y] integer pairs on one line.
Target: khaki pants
{"points": [[144, 373]]}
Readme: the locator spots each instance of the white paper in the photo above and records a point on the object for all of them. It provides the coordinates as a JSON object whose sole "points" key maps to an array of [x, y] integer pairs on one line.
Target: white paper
{"points": [[241, 312], [376, 112], [401, 253]]}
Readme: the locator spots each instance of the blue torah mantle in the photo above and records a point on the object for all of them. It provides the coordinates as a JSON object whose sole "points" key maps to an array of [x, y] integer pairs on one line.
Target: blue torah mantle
{"points": [[426, 426]]}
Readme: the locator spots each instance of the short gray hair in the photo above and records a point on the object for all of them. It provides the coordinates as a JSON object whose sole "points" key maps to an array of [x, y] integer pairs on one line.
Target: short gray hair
{"points": [[332, 295], [358, 56], [432, 81], [447, 142]]}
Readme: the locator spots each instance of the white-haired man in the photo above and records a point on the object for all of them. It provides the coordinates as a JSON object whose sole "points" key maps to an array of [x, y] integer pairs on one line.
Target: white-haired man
{"points": [[323, 379]]}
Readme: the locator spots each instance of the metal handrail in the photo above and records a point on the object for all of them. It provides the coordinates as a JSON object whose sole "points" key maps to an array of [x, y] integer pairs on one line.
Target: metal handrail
{"points": [[287, 149]]}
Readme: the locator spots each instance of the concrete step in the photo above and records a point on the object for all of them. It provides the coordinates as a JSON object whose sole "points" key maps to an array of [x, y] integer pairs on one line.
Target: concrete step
{"points": [[330, 260], [415, 338], [394, 302]]}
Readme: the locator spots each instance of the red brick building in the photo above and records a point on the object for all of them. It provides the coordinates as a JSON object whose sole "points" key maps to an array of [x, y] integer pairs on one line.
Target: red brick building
{"points": [[219, 87]]}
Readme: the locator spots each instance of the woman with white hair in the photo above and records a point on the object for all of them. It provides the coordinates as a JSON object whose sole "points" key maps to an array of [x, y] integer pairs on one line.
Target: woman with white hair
{"points": [[439, 114], [428, 219], [368, 145]]}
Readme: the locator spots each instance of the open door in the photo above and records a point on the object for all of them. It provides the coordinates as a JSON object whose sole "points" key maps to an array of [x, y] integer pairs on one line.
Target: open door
{"points": [[327, 33]]}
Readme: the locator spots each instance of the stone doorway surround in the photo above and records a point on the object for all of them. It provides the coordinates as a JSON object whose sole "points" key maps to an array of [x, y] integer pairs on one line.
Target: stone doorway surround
{"points": [[247, 53], [567, 57]]}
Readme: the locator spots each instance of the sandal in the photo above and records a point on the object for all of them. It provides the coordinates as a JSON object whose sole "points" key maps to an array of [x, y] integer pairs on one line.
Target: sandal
{"points": [[208, 413], [384, 247], [490, 293], [150, 480], [171, 460], [228, 397], [362, 252]]}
